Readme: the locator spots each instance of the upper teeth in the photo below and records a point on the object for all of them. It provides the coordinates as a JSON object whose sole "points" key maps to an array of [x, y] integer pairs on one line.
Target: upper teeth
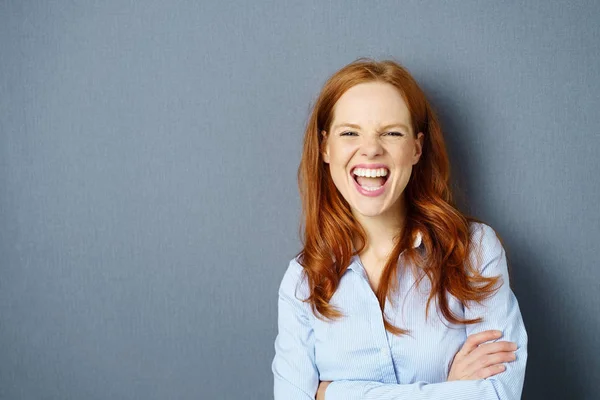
{"points": [[370, 173]]}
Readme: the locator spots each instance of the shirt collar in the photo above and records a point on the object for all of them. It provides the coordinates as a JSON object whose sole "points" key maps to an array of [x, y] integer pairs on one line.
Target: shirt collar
{"points": [[356, 264]]}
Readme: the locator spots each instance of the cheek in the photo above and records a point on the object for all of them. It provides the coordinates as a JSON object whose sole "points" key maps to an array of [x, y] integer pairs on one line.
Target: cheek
{"points": [[405, 156], [403, 161], [339, 160], [341, 153]]}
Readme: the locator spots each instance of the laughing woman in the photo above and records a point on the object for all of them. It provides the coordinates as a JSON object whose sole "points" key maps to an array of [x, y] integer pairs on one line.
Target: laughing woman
{"points": [[396, 294]]}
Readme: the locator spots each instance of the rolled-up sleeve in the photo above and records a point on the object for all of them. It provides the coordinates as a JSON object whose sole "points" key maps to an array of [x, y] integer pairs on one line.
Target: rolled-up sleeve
{"points": [[295, 375]]}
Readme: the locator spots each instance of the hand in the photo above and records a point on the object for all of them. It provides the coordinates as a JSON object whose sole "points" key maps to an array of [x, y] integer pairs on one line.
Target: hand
{"points": [[480, 360], [321, 390]]}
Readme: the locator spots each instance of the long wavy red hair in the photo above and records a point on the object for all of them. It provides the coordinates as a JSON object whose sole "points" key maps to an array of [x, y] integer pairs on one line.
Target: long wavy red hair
{"points": [[328, 227]]}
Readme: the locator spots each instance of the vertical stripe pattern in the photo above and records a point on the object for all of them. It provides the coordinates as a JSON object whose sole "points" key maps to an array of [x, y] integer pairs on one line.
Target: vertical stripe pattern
{"points": [[364, 361]]}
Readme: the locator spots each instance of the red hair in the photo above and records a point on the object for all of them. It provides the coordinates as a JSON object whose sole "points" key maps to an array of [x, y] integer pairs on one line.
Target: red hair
{"points": [[328, 227]]}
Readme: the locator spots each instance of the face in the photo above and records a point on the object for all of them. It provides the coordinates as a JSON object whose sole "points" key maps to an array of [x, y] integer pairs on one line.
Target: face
{"points": [[371, 149]]}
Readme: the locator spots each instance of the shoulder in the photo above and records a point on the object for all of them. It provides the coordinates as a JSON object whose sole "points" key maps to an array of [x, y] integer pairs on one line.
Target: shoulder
{"points": [[294, 282], [484, 238], [487, 253]]}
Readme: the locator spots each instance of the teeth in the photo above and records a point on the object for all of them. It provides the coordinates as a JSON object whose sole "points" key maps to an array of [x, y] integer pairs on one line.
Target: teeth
{"points": [[371, 189], [370, 173]]}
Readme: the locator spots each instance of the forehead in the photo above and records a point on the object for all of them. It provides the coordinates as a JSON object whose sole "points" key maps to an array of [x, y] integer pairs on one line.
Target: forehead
{"points": [[371, 104]]}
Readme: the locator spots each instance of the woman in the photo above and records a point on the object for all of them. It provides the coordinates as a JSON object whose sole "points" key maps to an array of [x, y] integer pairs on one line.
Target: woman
{"points": [[396, 293]]}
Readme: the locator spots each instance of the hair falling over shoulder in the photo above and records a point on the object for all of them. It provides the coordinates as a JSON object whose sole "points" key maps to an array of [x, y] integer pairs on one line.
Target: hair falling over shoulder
{"points": [[328, 226]]}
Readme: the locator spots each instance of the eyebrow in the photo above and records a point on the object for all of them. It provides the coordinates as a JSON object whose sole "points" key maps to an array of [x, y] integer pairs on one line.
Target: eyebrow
{"points": [[354, 126]]}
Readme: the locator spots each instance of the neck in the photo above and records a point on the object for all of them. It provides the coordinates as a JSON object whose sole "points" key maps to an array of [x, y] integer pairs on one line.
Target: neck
{"points": [[381, 230]]}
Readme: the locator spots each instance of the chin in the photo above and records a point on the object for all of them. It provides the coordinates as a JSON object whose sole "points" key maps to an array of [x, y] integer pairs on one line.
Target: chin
{"points": [[370, 211]]}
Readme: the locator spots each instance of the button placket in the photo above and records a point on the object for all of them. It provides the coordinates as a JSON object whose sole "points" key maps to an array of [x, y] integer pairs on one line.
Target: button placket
{"points": [[378, 331]]}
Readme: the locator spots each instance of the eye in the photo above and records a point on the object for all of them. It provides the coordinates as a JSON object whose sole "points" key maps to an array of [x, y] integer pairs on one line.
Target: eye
{"points": [[349, 133], [395, 134]]}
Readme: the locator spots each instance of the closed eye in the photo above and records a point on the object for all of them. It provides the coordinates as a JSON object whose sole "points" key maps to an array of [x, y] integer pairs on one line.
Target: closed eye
{"points": [[350, 133]]}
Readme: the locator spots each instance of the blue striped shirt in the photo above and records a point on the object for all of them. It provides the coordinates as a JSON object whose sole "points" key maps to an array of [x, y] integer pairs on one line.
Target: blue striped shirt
{"points": [[364, 361]]}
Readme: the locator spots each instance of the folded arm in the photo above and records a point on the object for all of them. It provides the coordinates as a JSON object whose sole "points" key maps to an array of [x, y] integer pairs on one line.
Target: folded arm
{"points": [[501, 312]]}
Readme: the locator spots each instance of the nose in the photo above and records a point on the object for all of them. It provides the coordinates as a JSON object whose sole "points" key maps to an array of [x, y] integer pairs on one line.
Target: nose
{"points": [[370, 146]]}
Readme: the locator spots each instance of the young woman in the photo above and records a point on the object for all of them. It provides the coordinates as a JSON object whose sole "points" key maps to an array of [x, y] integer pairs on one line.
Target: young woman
{"points": [[396, 293]]}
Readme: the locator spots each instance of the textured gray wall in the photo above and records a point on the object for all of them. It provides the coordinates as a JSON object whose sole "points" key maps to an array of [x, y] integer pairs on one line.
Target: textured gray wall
{"points": [[148, 171]]}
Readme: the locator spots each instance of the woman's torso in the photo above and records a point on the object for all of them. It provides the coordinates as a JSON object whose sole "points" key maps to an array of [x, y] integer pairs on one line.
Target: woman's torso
{"points": [[357, 346]]}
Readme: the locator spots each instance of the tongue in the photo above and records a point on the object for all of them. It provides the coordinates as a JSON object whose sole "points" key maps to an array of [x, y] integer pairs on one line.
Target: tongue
{"points": [[370, 182]]}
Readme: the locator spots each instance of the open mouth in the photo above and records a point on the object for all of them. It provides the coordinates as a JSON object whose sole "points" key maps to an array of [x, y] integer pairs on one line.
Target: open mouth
{"points": [[370, 179]]}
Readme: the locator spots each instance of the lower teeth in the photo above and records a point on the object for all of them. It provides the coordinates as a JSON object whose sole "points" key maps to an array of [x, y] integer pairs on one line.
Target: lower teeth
{"points": [[371, 189]]}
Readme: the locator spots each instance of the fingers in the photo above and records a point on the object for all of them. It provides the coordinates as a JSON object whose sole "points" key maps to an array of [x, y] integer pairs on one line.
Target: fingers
{"points": [[473, 341], [495, 347], [481, 365], [492, 359], [489, 371], [482, 356]]}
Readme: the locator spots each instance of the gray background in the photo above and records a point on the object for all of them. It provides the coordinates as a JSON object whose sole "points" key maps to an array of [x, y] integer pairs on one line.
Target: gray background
{"points": [[148, 171]]}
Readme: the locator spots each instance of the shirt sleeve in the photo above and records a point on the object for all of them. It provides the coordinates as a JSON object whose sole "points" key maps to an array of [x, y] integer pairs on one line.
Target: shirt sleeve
{"points": [[295, 374], [500, 311]]}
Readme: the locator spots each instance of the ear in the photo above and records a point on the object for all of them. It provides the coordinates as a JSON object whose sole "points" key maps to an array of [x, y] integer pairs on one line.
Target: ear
{"points": [[418, 147], [325, 147]]}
